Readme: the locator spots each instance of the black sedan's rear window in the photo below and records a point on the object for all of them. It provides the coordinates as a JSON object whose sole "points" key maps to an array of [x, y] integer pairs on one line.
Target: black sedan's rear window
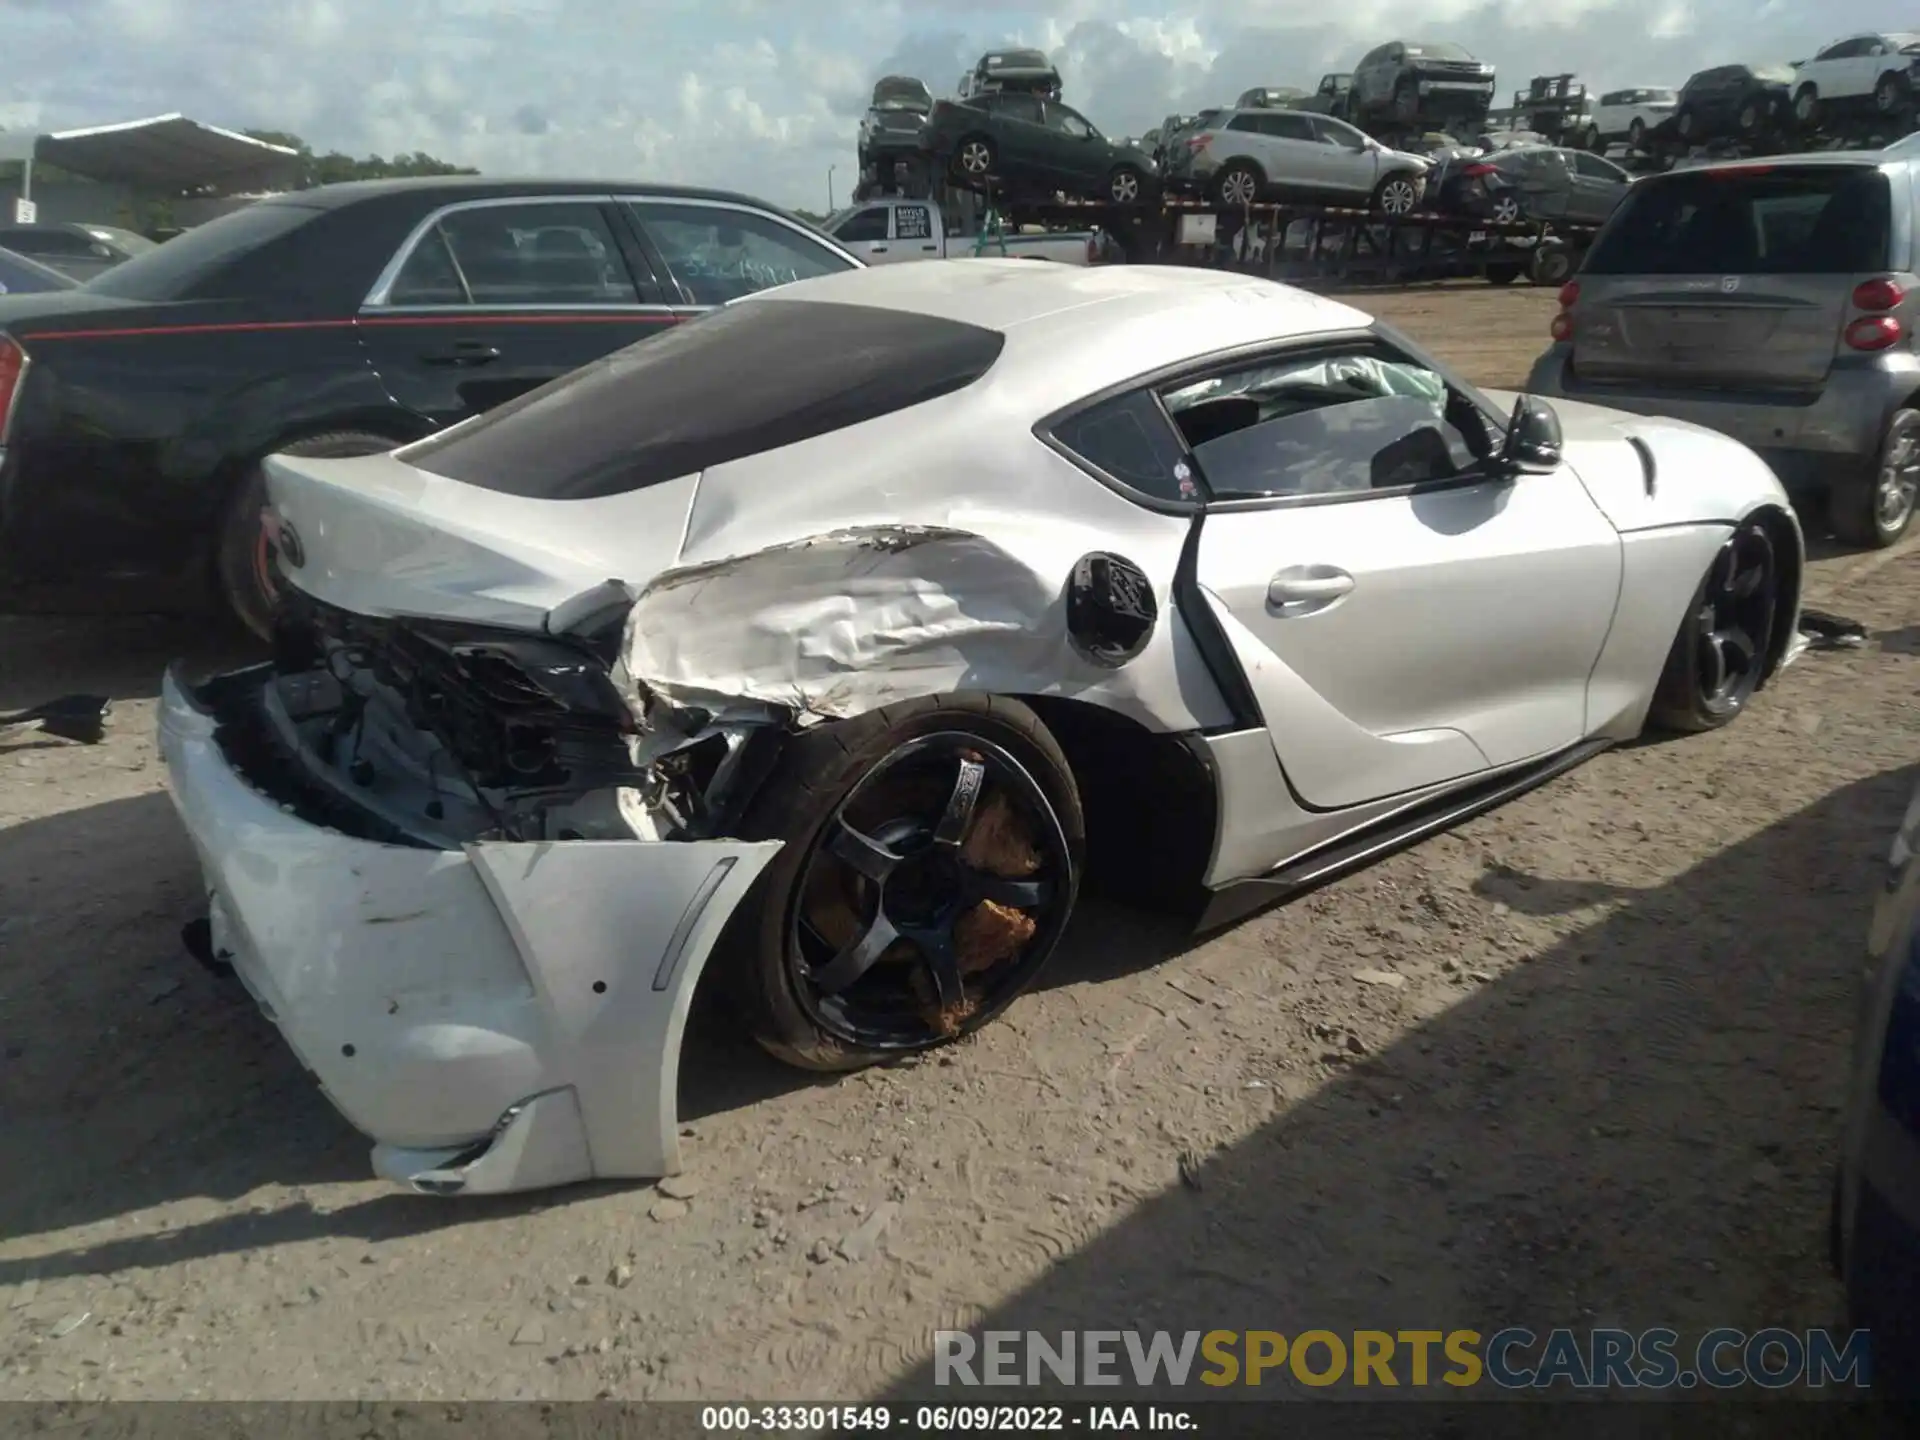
{"points": [[1751, 220], [741, 381]]}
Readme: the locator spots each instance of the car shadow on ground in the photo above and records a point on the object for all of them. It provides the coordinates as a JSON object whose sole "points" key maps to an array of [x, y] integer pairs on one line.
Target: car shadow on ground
{"points": [[1680, 1065], [119, 656], [1666, 1039], [133, 1078]]}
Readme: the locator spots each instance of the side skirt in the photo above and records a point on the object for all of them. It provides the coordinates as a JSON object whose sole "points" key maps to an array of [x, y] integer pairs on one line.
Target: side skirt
{"points": [[1362, 847]]}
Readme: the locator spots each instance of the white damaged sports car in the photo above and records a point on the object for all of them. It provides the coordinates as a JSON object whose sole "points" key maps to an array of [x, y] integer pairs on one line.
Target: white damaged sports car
{"points": [[826, 645]]}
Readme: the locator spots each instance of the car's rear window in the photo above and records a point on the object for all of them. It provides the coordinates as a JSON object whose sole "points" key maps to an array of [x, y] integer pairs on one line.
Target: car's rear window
{"points": [[743, 380], [187, 266], [1763, 220]]}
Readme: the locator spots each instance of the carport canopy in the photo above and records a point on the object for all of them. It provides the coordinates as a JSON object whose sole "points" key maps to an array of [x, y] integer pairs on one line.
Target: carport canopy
{"points": [[168, 153]]}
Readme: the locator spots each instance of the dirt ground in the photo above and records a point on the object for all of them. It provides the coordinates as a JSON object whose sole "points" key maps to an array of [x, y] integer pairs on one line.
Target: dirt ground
{"points": [[1599, 1085]]}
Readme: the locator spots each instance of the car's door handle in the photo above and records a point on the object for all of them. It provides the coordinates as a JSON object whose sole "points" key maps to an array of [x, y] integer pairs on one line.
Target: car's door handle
{"points": [[878, 250], [464, 352], [1308, 585]]}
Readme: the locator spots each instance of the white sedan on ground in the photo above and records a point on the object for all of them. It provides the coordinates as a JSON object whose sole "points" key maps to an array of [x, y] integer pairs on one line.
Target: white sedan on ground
{"points": [[827, 645]]}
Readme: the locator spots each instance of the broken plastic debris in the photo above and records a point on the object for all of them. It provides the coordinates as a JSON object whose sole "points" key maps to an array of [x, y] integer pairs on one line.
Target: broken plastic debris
{"points": [[70, 717]]}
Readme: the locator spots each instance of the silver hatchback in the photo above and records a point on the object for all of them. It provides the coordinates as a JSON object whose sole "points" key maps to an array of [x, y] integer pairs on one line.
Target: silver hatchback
{"points": [[1245, 155], [1776, 302]]}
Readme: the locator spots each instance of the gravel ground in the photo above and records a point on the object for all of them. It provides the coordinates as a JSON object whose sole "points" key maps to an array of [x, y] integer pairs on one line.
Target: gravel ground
{"points": [[1578, 1062]]}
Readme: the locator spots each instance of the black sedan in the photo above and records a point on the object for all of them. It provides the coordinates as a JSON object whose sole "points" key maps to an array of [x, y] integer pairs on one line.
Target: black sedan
{"points": [[77, 250], [1036, 146], [345, 320], [1539, 182], [22, 275], [1732, 102]]}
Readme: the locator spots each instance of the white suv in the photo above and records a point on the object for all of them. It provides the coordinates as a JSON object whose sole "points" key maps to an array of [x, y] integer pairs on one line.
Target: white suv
{"points": [[1629, 116], [1876, 70]]}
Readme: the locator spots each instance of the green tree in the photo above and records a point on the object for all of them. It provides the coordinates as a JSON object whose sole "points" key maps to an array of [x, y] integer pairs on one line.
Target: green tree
{"points": [[334, 167]]}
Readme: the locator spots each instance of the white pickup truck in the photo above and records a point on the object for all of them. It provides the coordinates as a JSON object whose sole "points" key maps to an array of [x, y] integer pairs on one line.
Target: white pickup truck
{"points": [[888, 231]]}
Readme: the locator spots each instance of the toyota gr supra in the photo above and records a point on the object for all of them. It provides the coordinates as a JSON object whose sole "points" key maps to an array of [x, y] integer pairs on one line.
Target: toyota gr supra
{"points": [[827, 644]]}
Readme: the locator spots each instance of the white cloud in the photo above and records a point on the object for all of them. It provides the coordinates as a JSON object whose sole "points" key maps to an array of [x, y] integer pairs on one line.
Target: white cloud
{"points": [[764, 95]]}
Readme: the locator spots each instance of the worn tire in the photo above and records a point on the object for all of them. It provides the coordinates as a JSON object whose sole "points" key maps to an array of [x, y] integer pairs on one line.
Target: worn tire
{"points": [[1889, 94], [815, 776], [1685, 124], [1806, 107], [1854, 502], [1637, 133], [244, 568], [1679, 706]]}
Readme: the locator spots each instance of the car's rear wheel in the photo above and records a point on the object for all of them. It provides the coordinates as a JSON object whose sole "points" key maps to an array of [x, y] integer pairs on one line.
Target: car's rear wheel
{"points": [[1806, 106], [932, 857], [1890, 94], [1749, 117], [1551, 264], [1506, 210], [1720, 654], [1875, 509], [974, 157], [1396, 195], [1686, 124], [1637, 133], [246, 567], [1238, 185], [1126, 185]]}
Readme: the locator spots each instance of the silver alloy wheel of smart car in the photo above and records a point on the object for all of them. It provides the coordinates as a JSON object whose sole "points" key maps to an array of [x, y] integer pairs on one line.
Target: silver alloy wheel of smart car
{"points": [[1897, 484], [976, 157], [1506, 210], [1398, 196]]}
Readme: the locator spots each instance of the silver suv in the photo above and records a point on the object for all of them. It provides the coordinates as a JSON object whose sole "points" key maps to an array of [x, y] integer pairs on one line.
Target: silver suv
{"points": [[1773, 301], [1245, 155]]}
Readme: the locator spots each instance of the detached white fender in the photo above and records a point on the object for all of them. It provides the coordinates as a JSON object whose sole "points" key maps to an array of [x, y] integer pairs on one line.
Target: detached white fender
{"points": [[506, 1017]]}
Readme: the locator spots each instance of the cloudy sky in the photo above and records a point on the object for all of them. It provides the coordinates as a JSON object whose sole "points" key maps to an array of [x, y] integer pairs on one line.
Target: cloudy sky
{"points": [[765, 95]]}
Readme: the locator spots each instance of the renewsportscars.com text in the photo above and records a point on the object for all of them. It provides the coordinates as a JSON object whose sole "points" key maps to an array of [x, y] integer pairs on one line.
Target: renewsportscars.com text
{"points": [[1513, 1358]]}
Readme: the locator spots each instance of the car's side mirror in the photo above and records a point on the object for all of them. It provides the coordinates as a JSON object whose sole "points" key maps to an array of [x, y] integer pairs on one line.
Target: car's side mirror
{"points": [[1534, 444]]}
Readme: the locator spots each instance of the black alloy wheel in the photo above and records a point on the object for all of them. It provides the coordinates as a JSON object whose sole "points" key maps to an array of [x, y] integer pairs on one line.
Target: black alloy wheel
{"points": [[1720, 654], [930, 897]]}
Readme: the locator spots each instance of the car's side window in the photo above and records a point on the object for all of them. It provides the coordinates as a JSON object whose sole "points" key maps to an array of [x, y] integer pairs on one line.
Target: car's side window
{"points": [[430, 276], [1244, 121], [1333, 132], [1285, 125], [1024, 108], [719, 254], [1128, 440], [1594, 168], [863, 225], [1317, 425], [1064, 120], [513, 255]]}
